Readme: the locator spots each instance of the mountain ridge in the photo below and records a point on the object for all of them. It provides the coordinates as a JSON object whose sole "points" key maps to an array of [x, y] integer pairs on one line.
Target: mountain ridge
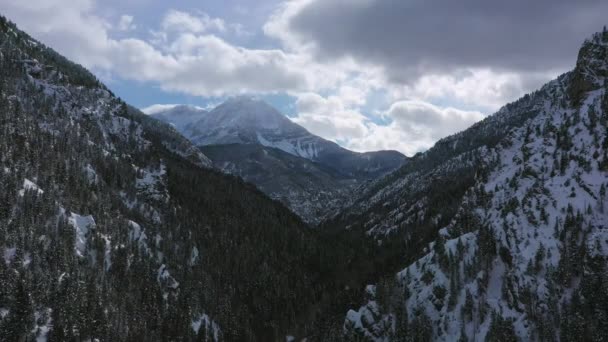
{"points": [[247, 120], [243, 124], [501, 254], [113, 226]]}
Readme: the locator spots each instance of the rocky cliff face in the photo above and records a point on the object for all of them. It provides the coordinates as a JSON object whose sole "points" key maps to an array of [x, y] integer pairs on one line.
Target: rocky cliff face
{"points": [[591, 68]]}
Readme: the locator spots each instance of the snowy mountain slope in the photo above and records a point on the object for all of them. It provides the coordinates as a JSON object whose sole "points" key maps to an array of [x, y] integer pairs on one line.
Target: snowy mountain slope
{"points": [[245, 120], [523, 253], [113, 228]]}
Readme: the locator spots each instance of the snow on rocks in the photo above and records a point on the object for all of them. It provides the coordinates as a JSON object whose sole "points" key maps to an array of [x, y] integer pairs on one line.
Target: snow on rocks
{"points": [[9, 254], [368, 320], [28, 185], [82, 225], [152, 182], [302, 147], [138, 235], [165, 278], [91, 174], [43, 326], [194, 255], [211, 328], [107, 255]]}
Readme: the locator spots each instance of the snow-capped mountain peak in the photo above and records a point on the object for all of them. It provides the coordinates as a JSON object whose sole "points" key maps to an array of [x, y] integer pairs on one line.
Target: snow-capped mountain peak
{"points": [[179, 116], [249, 113], [247, 120]]}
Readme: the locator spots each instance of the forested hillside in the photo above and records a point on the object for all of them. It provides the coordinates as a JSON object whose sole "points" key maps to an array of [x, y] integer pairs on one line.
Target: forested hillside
{"points": [[501, 230], [113, 228]]}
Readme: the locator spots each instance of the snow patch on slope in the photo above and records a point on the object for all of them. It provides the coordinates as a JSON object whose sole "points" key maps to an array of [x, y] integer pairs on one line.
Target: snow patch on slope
{"points": [[211, 328], [82, 225], [28, 185]]}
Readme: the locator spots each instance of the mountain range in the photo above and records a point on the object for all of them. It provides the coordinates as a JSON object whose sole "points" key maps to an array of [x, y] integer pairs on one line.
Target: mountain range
{"points": [[247, 137], [118, 226]]}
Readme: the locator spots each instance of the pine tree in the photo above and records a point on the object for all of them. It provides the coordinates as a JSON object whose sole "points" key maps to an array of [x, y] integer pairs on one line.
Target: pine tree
{"points": [[16, 326], [501, 330]]}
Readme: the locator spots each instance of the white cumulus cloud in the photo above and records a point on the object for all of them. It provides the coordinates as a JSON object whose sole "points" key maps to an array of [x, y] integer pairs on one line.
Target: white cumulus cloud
{"points": [[181, 21], [126, 23], [414, 127]]}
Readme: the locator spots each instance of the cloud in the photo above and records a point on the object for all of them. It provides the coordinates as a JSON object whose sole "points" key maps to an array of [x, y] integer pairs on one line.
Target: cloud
{"points": [[329, 117], [420, 37], [484, 89], [474, 54], [181, 21], [429, 122], [414, 127], [409, 126], [157, 108], [207, 66], [182, 56], [72, 29], [126, 23]]}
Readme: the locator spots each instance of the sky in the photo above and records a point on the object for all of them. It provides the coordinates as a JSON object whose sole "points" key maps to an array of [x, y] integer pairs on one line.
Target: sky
{"points": [[368, 74]]}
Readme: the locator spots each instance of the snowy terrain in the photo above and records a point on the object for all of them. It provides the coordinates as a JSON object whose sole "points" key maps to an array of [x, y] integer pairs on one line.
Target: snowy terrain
{"points": [[541, 199]]}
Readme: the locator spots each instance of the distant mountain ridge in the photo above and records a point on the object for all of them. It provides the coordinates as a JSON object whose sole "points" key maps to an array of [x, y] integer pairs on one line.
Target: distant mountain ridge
{"points": [[249, 138], [246, 120]]}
